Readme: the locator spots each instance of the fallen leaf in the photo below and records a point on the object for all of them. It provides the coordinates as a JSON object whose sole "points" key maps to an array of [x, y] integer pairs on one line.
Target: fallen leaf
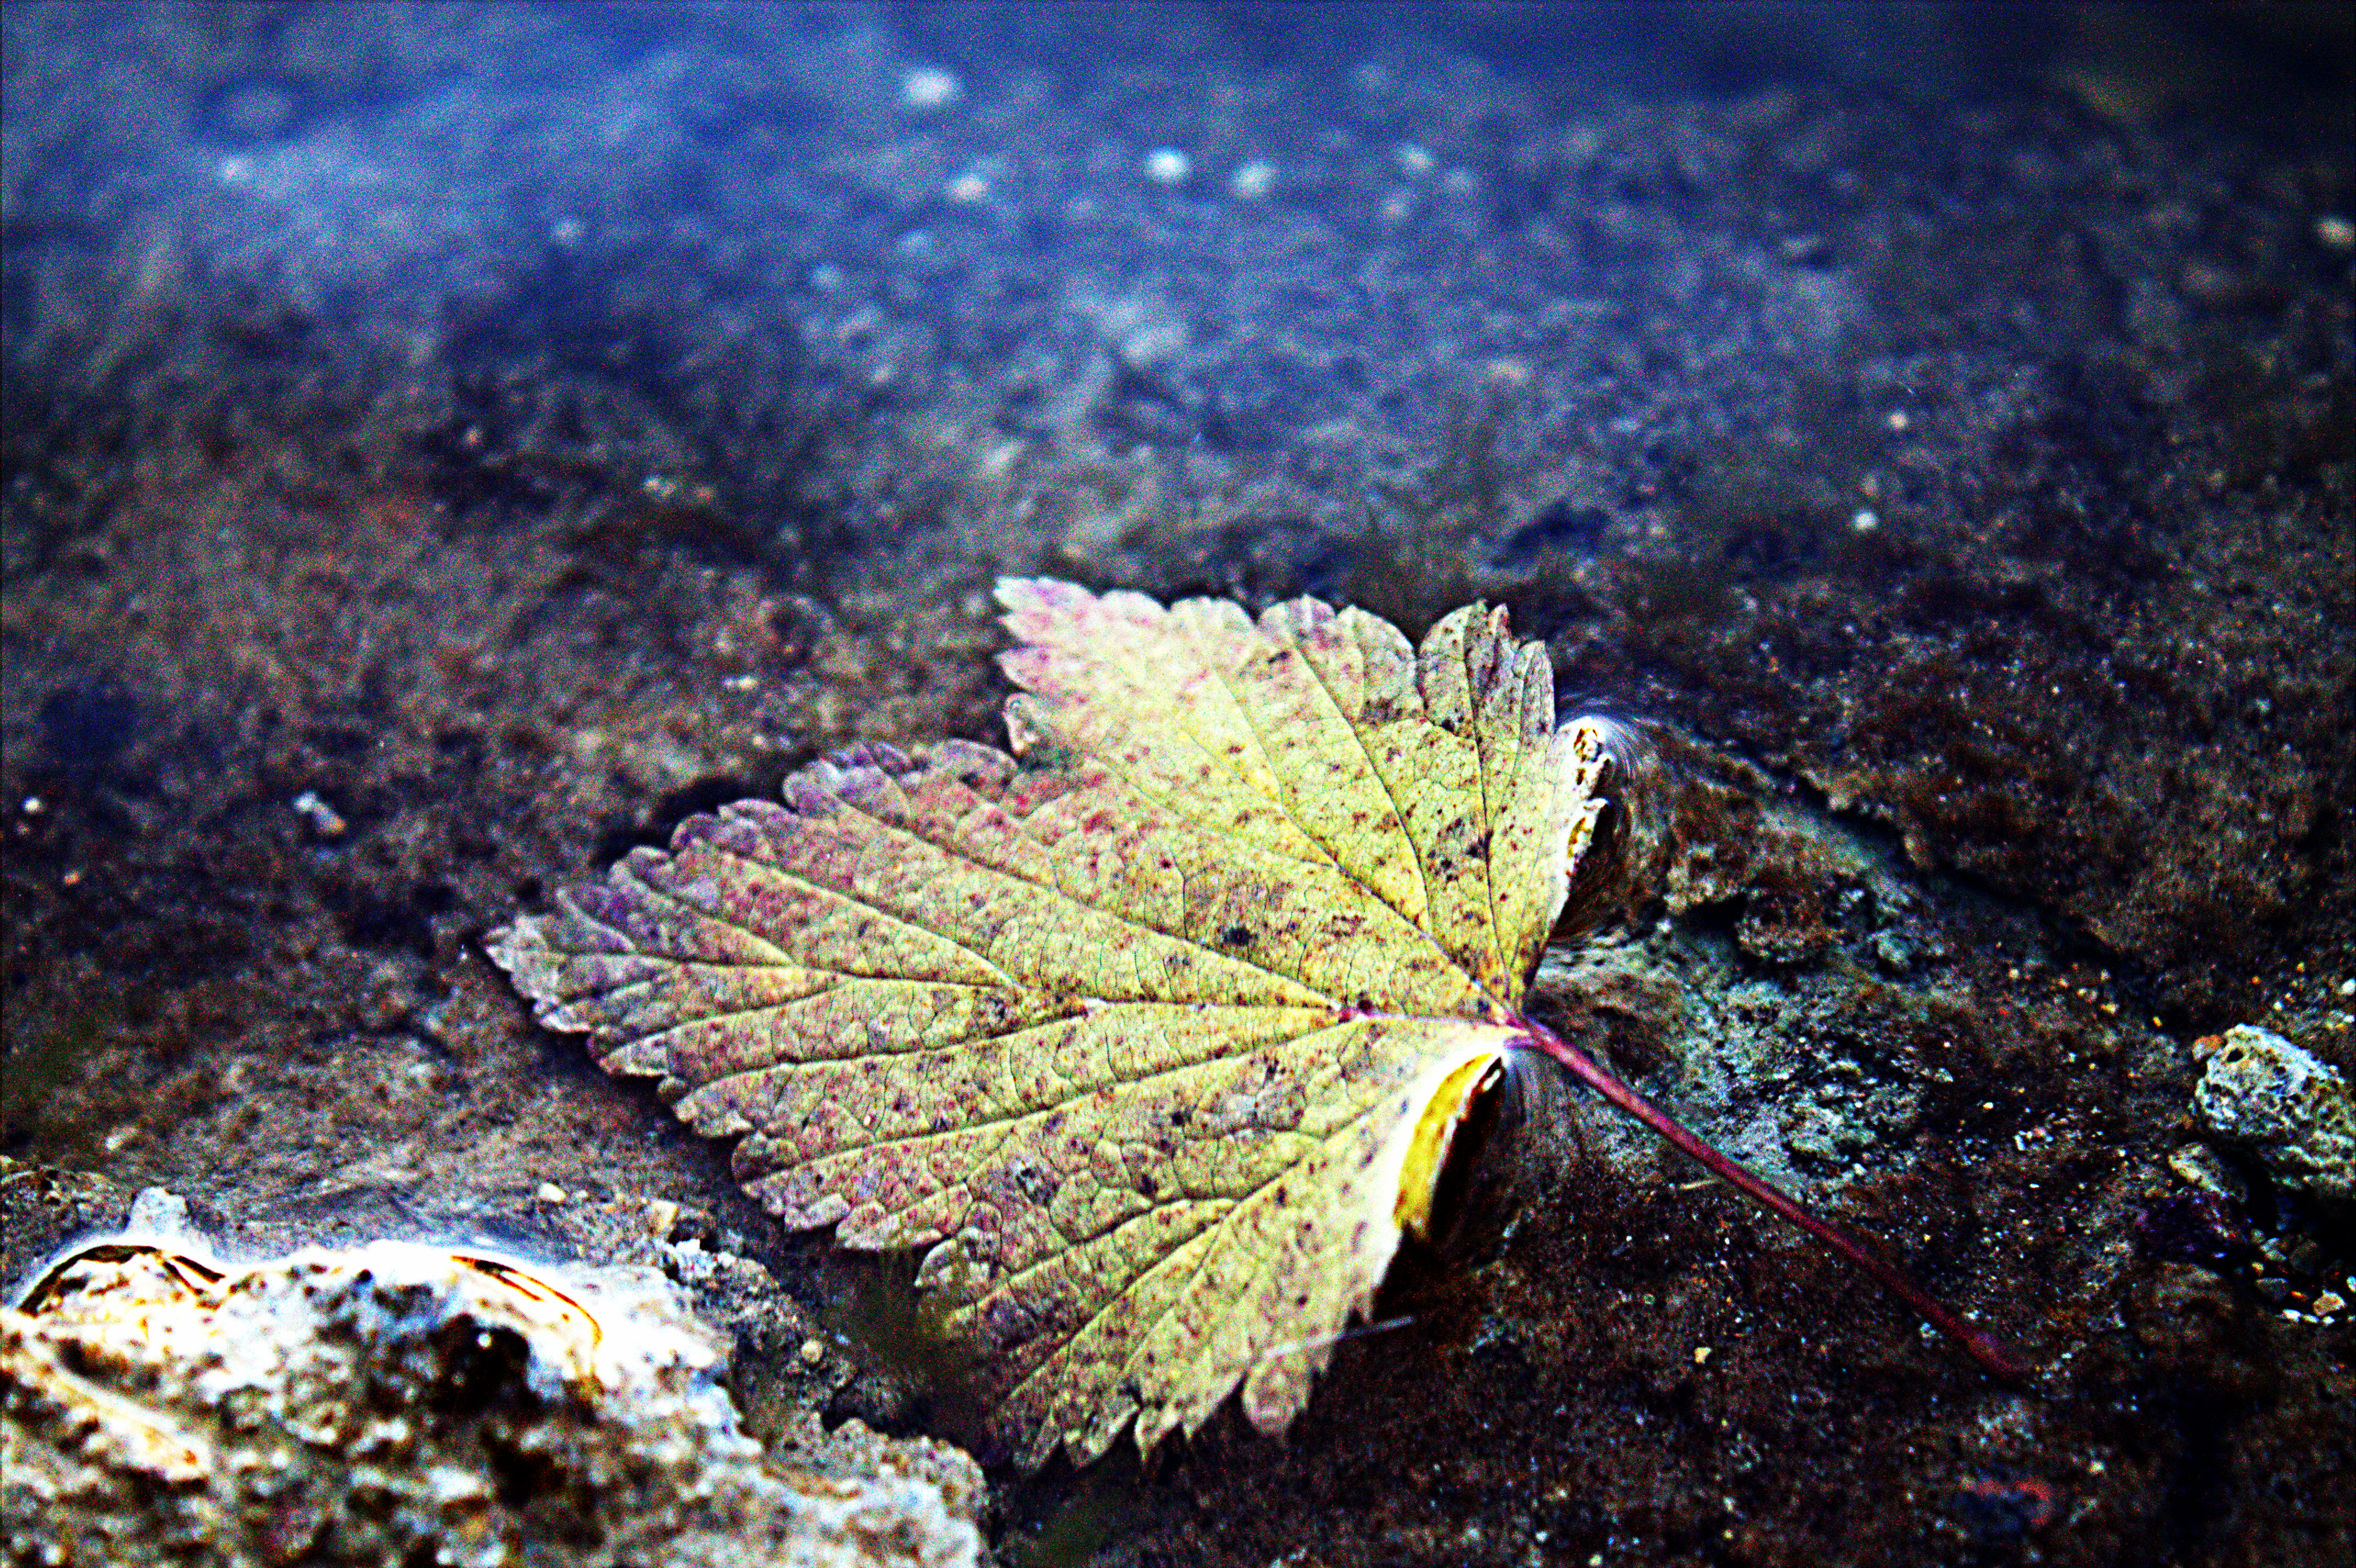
{"points": [[1155, 1039]]}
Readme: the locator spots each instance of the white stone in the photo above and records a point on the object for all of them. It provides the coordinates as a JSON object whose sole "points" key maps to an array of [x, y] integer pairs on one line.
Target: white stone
{"points": [[1167, 165], [928, 86], [1253, 180]]}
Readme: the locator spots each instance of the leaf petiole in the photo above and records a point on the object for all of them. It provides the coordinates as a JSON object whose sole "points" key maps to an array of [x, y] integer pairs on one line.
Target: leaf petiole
{"points": [[1977, 1343]]}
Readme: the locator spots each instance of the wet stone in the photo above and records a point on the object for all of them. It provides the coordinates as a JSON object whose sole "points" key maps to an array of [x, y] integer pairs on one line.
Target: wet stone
{"points": [[403, 1404], [2284, 1104]]}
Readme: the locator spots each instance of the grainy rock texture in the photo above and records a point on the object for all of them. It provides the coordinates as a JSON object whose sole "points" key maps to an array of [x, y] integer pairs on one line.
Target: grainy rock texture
{"points": [[445, 445], [2293, 1111], [402, 1405]]}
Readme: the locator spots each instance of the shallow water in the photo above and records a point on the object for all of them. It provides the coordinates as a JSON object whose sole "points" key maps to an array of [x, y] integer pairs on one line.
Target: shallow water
{"points": [[447, 447]]}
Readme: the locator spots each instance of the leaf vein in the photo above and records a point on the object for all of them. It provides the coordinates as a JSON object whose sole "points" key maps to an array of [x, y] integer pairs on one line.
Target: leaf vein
{"points": [[960, 854], [1399, 817]]}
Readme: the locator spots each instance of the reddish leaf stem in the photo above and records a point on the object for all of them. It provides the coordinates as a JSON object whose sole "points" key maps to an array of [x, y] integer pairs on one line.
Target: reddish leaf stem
{"points": [[1980, 1344]]}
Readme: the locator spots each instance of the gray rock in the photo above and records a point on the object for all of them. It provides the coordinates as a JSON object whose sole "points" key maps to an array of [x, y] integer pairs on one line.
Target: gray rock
{"points": [[2200, 1168], [2291, 1109], [403, 1404]]}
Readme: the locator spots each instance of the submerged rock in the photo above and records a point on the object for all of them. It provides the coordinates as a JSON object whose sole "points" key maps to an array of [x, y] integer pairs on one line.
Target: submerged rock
{"points": [[2290, 1108], [403, 1404]]}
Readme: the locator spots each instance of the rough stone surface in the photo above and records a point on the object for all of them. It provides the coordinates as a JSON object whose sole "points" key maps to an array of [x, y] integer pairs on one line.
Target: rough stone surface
{"points": [[399, 1403], [446, 445], [2293, 1110]]}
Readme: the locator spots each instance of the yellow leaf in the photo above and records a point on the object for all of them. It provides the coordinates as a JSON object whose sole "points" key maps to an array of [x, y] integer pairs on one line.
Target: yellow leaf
{"points": [[1154, 1046]]}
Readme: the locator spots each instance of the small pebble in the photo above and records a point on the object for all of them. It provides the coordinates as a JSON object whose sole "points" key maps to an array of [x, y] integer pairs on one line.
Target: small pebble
{"points": [[2199, 1167], [1253, 180], [2329, 1303], [324, 819], [813, 1351], [929, 86], [1167, 165], [550, 1193], [2296, 1112]]}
